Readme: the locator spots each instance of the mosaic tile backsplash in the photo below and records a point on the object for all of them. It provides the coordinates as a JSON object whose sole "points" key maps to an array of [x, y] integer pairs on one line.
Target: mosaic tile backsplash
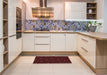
{"points": [[48, 25]]}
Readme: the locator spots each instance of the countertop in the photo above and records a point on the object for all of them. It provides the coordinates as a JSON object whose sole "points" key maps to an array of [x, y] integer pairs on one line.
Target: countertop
{"points": [[96, 35]]}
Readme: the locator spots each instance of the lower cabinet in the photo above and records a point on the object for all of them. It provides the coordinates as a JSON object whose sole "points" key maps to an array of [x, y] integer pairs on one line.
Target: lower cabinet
{"points": [[49, 42], [12, 48], [42, 42], [1, 55], [19, 45], [28, 42], [71, 42], [58, 41], [87, 49]]}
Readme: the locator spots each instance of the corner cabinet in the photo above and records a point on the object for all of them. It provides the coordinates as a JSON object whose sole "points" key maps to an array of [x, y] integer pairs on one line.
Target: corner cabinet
{"points": [[58, 41], [71, 42], [75, 10]]}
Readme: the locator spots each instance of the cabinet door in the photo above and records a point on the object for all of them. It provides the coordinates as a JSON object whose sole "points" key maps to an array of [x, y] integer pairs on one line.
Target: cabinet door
{"points": [[19, 45], [58, 42], [75, 10], [12, 48], [87, 48], [1, 10], [71, 42], [1, 55], [28, 42], [92, 52], [42, 42], [12, 17]]}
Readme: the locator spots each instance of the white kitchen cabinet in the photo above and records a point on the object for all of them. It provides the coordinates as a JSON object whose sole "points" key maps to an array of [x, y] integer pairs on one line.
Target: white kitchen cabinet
{"points": [[12, 17], [19, 45], [87, 48], [92, 52], [1, 29], [58, 41], [1, 16], [58, 7], [71, 42], [1, 61], [42, 47], [42, 42], [28, 42], [75, 10], [1, 55], [12, 48]]}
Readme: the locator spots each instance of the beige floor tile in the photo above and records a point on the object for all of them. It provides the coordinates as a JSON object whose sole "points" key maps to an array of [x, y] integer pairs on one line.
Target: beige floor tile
{"points": [[41, 68], [41, 73], [24, 66], [72, 73]]}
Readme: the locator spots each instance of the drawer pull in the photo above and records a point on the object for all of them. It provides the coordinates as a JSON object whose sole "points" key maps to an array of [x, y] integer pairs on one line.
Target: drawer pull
{"points": [[84, 40], [42, 44], [42, 36], [84, 49]]}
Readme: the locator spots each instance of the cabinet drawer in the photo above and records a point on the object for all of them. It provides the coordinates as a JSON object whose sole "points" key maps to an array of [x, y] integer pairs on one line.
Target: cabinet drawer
{"points": [[87, 48], [84, 51], [42, 40], [84, 39], [42, 47], [42, 34], [58, 35]]}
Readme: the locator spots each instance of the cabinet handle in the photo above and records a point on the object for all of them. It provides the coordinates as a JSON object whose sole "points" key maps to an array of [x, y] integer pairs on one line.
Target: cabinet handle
{"points": [[42, 36], [42, 44], [84, 49], [85, 40], [12, 35]]}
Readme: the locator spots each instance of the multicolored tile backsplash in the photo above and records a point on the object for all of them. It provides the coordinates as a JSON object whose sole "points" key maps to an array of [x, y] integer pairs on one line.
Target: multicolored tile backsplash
{"points": [[48, 25]]}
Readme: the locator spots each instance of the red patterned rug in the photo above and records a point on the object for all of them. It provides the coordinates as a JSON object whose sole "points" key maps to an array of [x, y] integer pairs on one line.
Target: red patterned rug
{"points": [[51, 59]]}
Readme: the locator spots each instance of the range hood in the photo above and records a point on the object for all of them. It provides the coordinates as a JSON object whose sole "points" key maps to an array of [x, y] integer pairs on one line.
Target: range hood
{"points": [[43, 11]]}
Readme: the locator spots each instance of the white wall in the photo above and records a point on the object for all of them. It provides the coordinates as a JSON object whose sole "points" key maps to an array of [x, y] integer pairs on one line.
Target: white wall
{"points": [[57, 4], [29, 5], [100, 13], [105, 16], [19, 3], [100, 9]]}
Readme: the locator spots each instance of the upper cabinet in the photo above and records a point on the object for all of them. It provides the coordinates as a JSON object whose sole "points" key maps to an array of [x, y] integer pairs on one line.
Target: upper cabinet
{"points": [[91, 10], [12, 17], [75, 10]]}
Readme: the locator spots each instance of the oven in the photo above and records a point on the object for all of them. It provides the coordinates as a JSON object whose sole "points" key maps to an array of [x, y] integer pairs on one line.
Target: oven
{"points": [[18, 23]]}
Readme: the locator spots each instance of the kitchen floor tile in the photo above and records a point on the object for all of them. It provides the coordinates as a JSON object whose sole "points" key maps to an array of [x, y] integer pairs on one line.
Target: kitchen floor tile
{"points": [[24, 66]]}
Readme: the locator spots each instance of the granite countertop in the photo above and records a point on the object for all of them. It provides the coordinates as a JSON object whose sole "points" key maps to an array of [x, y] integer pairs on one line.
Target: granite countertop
{"points": [[96, 35]]}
